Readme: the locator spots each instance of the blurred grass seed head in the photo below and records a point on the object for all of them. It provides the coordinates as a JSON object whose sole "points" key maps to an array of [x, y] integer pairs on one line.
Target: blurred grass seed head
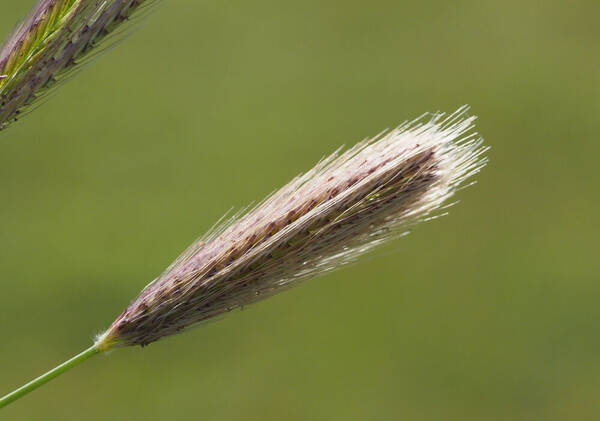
{"points": [[56, 39]]}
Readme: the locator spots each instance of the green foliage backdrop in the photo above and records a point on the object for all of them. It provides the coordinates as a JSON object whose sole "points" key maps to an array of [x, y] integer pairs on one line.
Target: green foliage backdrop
{"points": [[490, 313]]}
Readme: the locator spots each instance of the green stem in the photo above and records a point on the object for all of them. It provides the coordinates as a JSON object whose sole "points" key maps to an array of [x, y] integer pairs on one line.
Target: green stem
{"points": [[44, 378]]}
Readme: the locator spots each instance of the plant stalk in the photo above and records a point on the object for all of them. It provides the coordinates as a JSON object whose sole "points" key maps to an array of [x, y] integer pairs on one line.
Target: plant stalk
{"points": [[45, 378]]}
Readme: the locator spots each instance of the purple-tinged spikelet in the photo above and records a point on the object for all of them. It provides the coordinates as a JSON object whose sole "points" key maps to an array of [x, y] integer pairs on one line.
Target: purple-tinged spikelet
{"points": [[345, 206], [57, 38]]}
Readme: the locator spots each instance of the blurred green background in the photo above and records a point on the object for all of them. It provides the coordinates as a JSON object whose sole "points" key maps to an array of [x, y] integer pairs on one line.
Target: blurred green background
{"points": [[490, 313]]}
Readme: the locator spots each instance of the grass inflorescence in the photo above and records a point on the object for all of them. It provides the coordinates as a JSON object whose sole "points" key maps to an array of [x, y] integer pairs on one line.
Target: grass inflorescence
{"points": [[57, 38], [345, 206]]}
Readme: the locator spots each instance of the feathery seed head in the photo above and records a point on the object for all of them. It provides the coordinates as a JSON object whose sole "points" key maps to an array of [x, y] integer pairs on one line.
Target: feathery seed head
{"points": [[348, 204], [56, 39]]}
